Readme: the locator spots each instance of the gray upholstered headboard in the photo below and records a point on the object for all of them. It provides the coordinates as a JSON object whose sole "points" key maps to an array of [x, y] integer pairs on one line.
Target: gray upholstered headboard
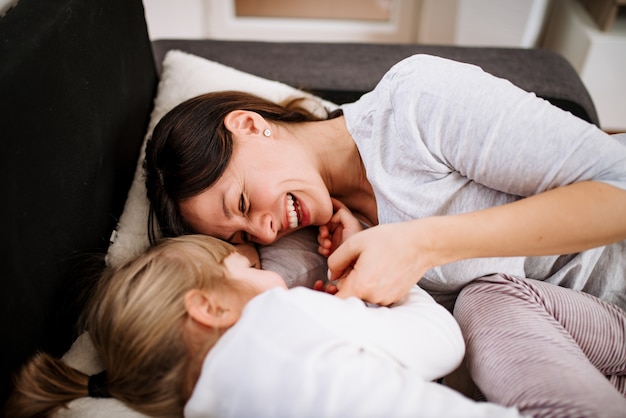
{"points": [[342, 72], [77, 80]]}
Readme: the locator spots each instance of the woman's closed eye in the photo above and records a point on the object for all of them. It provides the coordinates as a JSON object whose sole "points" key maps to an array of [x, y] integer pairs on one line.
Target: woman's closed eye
{"points": [[244, 209], [242, 204]]}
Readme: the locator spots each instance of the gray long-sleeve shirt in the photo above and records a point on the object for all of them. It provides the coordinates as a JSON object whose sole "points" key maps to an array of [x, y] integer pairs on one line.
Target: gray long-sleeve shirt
{"points": [[440, 137]]}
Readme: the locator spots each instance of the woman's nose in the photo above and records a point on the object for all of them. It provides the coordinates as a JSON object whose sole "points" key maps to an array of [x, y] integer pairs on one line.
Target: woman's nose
{"points": [[265, 230]]}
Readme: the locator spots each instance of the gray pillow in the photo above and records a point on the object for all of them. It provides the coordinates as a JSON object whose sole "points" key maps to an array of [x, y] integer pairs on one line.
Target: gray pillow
{"points": [[295, 258]]}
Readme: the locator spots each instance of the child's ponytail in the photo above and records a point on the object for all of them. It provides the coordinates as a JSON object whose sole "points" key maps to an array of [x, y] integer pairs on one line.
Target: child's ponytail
{"points": [[43, 386]]}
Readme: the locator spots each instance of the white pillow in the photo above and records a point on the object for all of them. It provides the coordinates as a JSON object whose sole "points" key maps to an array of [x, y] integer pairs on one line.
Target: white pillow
{"points": [[185, 76]]}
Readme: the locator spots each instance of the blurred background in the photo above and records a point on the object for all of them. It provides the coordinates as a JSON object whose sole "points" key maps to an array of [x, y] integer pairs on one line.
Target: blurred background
{"points": [[591, 34]]}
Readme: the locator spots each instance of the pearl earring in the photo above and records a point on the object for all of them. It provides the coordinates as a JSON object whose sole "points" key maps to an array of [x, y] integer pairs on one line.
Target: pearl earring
{"points": [[267, 132]]}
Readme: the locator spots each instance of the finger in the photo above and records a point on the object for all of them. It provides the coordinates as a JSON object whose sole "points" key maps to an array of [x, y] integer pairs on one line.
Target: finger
{"points": [[338, 204], [345, 285], [334, 222], [342, 259], [346, 292], [338, 284], [336, 238], [325, 242], [323, 251], [331, 288], [318, 285]]}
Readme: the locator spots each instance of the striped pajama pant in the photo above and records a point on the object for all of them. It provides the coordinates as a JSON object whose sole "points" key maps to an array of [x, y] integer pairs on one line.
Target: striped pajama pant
{"points": [[548, 350]]}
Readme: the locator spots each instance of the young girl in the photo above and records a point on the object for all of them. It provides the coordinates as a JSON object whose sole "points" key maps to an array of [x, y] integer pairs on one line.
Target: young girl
{"points": [[459, 175], [189, 327]]}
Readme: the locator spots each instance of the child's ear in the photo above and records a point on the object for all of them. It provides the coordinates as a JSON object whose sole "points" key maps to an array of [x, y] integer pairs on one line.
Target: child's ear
{"points": [[210, 309], [245, 122]]}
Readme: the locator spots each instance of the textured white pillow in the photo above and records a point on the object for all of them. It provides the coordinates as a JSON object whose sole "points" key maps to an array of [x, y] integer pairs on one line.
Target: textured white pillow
{"points": [[185, 76]]}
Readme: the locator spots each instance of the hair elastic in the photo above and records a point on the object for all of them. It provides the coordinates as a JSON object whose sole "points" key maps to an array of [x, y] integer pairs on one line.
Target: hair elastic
{"points": [[97, 386]]}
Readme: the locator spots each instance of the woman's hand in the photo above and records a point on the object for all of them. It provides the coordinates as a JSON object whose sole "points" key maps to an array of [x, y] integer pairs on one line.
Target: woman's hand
{"points": [[380, 264], [342, 225]]}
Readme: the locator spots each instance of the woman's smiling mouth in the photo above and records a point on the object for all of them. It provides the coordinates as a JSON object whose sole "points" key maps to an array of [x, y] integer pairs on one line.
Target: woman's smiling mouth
{"points": [[294, 212]]}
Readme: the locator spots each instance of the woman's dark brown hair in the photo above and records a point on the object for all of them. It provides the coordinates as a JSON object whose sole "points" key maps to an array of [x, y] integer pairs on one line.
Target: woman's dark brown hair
{"points": [[190, 148]]}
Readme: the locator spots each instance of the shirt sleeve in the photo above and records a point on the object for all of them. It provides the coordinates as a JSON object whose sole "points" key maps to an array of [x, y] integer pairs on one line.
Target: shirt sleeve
{"points": [[419, 333], [412, 397], [496, 134], [391, 395]]}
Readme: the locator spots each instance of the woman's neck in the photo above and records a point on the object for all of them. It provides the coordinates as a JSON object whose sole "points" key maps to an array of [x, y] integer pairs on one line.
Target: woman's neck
{"points": [[343, 171]]}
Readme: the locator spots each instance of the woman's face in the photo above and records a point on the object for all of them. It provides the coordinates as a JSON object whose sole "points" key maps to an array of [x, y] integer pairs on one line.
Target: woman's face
{"points": [[240, 268], [269, 189]]}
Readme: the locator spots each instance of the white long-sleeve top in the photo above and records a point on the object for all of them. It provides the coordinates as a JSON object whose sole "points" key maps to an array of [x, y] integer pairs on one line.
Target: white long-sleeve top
{"points": [[439, 137], [303, 353]]}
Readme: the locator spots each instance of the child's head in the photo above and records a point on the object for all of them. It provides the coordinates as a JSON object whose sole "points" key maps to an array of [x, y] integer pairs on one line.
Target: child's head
{"points": [[153, 320]]}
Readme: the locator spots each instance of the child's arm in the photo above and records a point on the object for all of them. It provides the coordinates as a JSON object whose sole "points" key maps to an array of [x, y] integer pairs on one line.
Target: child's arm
{"points": [[418, 332]]}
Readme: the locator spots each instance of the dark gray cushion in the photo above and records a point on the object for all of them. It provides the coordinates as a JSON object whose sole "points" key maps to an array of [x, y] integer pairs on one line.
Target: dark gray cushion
{"points": [[342, 72]]}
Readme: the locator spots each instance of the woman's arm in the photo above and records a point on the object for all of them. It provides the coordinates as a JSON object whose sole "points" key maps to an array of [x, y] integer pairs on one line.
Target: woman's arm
{"points": [[564, 220], [560, 221]]}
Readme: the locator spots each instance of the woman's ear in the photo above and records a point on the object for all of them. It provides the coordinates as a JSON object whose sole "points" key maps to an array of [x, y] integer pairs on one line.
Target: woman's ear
{"points": [[210, 309], [245, 122]]}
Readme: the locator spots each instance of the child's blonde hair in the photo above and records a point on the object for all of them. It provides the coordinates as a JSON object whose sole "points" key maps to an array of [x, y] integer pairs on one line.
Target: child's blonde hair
{"points": [[136, 321]]}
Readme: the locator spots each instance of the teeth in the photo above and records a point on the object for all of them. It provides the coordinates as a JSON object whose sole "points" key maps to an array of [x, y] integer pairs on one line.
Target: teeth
{"points": [[291, 211]]}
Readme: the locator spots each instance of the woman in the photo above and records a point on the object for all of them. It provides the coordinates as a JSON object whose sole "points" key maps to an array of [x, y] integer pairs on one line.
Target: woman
{"points": [[459, 175], [191, 327]]}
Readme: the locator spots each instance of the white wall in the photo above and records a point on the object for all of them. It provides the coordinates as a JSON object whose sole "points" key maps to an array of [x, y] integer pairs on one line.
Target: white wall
{"points": [[459, 22], [599, 58], [195, 19], [222, 23], [506, 23], [175, 18]]}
